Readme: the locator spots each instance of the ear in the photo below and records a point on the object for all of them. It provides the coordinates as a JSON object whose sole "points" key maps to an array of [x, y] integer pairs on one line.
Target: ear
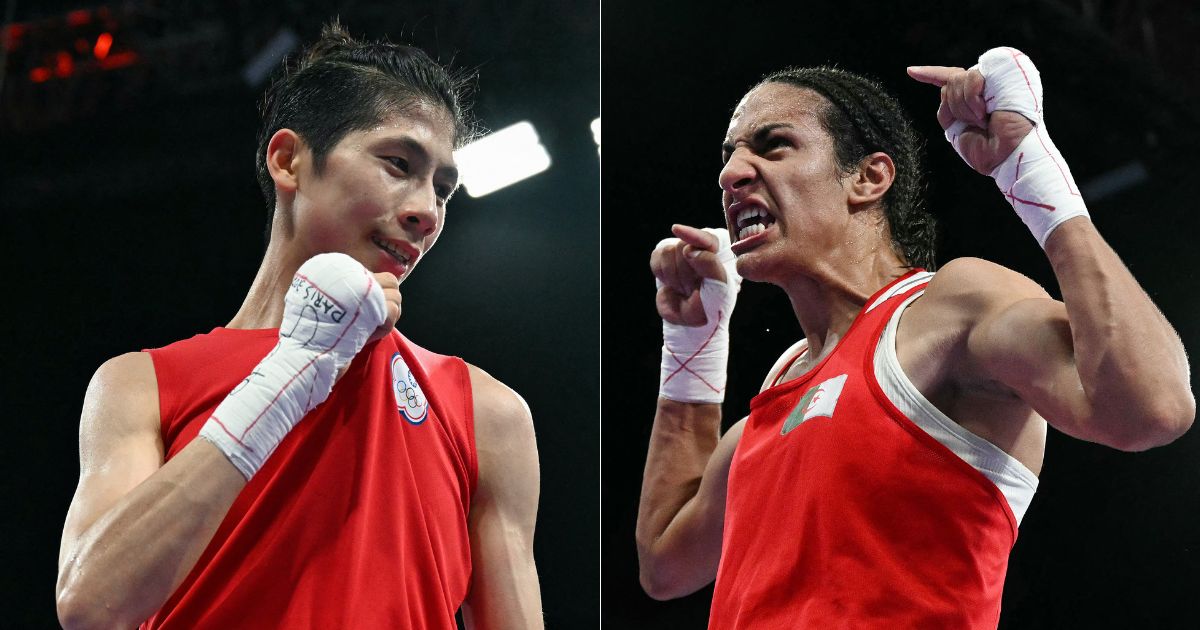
{"points": [[283, 160], [873, 178]]}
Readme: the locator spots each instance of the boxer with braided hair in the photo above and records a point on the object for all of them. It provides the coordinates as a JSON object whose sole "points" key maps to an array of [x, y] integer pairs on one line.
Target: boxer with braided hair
{"points": [[883, 469], [863, 118], [307, 466]]}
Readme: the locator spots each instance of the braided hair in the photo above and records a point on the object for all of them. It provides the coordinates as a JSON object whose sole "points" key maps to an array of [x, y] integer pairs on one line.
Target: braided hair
{"points": [[340, 85], [863, 118]]}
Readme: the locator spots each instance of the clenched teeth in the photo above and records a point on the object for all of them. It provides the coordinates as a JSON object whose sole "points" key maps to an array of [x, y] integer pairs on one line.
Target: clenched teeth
{"points": [[387, 247], [751, 221], [751, 230], [749, 214]]}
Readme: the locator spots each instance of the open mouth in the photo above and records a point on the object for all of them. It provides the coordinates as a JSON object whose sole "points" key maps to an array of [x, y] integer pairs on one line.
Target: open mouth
{"points": [[392, 250], [751, 221]]}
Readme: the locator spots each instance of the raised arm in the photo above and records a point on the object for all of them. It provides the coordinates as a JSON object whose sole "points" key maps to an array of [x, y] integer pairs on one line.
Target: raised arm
{"points": [[1104, 365], [504, 586], [135, 527], [682, 507]]}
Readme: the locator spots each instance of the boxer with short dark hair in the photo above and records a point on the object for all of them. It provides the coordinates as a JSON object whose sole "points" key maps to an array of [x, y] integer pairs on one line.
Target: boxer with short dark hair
{"points": [[884, 467], [307, 465]]}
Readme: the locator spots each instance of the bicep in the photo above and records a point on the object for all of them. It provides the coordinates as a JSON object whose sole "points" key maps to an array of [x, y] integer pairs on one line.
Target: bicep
{"points": [[119, 441], [504, 587], [1026, 346]]}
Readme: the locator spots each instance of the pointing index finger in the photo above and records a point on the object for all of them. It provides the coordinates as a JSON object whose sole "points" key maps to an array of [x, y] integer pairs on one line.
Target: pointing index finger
{"points": [[933, 75], [695, 237]]}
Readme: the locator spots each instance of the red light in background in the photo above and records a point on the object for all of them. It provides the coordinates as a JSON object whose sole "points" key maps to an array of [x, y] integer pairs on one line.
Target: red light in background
{"points": [[79, 17], [103, 45], [119, 60], [15, 31], [39, 75], [63, 64]]}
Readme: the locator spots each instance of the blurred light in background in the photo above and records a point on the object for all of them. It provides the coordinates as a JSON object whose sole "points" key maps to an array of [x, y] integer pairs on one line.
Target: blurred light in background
{"points": [[1115, 181], [500, 159], [269, 57], [596, 133]]}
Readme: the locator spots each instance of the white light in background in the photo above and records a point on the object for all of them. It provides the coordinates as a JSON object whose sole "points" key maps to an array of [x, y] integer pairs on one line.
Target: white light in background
{"points": [[596, 133], [268, 58], [501, 158]]}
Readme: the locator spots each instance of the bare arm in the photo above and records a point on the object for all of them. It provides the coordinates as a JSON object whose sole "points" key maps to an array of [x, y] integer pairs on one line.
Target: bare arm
{"points": [[682, 509], [135, 527], [504, 587], [1105, 365]]}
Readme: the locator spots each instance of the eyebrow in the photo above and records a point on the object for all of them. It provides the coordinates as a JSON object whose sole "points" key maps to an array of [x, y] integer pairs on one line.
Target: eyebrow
{"points": [[412, 144], [760, 135]]}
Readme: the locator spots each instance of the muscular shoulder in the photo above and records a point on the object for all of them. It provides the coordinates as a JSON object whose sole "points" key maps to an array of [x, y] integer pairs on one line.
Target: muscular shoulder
{"points": [[966, 301], [504, 438], [121, 402], [973, 286], [499, 410]]}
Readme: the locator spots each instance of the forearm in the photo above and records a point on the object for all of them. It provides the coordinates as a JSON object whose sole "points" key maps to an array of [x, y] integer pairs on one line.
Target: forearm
{"points": [[1131, 362], [123, 566], [682, 441], [505, 592]]}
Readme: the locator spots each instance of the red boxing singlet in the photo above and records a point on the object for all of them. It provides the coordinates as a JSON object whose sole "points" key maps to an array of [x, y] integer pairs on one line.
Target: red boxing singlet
{"points": [[358, 519], [842, 513]]}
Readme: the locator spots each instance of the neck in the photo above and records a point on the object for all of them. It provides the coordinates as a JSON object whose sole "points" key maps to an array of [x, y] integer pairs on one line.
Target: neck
{"points": [[827, 301], [263, 306]]}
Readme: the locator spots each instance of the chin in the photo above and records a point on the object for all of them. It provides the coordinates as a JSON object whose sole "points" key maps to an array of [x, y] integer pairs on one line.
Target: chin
{"points": [[762, 265], [754, 266]]}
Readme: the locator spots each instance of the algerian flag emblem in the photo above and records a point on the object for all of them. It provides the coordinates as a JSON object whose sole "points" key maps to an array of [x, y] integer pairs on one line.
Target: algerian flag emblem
{"points": [[817, 402]]}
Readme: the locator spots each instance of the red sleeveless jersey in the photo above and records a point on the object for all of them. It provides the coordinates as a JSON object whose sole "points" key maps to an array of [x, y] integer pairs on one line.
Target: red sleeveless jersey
{"points": [[842, 513], [358, 519]]}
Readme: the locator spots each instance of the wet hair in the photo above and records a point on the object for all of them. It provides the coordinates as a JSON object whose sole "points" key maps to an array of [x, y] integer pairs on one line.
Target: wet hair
{"points": [[340, 84], [863, 118]]}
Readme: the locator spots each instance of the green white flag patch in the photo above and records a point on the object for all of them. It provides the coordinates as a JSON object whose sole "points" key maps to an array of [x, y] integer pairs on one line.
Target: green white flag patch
{"points": [[818, 402]]}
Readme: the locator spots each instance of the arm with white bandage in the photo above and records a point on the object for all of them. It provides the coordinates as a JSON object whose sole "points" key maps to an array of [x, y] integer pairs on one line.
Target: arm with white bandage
{"points": [[682, 503], [1109, 367], [137, 525]]}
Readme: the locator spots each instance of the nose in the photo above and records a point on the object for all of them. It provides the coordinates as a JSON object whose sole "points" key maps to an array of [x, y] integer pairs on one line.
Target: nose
{"points": [[738, 172], [419, 213]]}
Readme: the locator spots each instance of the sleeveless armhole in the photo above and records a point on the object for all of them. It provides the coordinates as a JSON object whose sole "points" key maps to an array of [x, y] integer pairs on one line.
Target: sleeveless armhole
{"points": [[167, 403], [1015, 483], [468, 412], [459, 419]]}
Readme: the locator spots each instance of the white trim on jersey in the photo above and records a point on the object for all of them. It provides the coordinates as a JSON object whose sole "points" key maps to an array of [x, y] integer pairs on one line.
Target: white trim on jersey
{"points": [[1015, 481], [900, 287]]}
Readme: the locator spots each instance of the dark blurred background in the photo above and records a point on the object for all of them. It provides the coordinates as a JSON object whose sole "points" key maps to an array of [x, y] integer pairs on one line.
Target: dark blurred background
{"points": [[1111, 539], [131, 218]]}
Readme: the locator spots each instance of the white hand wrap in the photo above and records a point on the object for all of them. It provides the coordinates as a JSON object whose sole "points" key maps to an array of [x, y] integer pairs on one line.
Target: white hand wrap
{"points": [[694, 358], [332, 307], [1034, 178]]}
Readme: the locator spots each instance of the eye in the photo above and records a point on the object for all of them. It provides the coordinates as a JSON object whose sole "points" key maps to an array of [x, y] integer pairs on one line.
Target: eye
{"points": [[398, 162], [443, 193], [776, 142]]}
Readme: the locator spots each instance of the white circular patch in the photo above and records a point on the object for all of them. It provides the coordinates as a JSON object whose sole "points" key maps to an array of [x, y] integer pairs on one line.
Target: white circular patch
{"points": [[410, 400]]}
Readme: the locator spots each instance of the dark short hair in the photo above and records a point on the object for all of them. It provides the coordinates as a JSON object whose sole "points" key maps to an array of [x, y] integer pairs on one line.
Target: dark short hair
{"points": [[340, 85], [863, 118]]}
